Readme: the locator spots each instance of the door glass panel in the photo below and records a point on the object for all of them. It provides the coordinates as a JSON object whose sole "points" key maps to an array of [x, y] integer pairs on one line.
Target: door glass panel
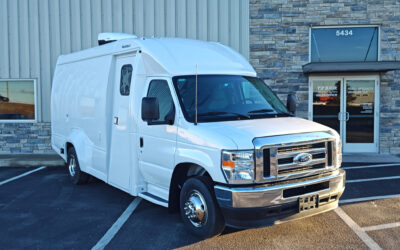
{"points": [[326, 103], [360, 108]]}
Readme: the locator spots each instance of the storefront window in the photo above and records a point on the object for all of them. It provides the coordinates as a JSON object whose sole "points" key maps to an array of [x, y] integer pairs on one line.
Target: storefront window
{"points": [[17, 100], [344, 44]]}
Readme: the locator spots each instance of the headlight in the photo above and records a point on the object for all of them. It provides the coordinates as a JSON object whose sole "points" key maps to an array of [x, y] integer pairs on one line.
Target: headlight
{"points": [[238, 166]]}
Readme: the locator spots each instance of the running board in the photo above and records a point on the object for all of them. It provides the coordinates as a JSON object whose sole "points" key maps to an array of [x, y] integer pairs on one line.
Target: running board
{"points": [[155, 199]]}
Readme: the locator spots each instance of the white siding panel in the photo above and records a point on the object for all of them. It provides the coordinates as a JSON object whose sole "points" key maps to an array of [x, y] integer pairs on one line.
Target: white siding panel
{"points": [[13, 36], [55, 43], [106, 9], [212, 20], [95, 20], [180, 18], [4, 49], [65, 26], [33, 33], [170, 18], [149, 18], [76, 40], [86, 25], [23, 38], [117, 15], [191, 19], [127, 23], [34, 51], [159, 16], [139, 17]]}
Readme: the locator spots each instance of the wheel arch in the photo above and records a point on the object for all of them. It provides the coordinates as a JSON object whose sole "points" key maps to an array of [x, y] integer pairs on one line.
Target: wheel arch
{"points": [[181, 173]]}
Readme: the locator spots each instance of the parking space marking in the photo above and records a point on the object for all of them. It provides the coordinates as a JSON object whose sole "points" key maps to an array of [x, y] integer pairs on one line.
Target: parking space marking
{"points": [[370, 198], [21, 175], [357, 229], [117, 225], [383, 226], [373, 166], [373, 179]]}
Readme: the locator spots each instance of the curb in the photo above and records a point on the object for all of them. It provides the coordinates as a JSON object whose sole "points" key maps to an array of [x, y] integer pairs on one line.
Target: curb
{"points": [[31, 161]]}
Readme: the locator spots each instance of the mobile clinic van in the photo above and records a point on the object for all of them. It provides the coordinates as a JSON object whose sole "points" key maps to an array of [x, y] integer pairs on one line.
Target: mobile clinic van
{"points": [[187, 125]]}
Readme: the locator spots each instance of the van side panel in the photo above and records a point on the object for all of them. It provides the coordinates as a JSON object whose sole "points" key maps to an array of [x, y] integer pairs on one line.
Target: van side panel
{"points": [[81, 109]]}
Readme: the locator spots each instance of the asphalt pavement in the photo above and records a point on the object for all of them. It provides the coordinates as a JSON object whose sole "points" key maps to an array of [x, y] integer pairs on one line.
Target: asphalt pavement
{"points": [[43, 210]]}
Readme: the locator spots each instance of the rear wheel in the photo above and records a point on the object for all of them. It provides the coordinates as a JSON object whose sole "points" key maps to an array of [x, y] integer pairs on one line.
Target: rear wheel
{"points": [[199, 209], [76, 175]]}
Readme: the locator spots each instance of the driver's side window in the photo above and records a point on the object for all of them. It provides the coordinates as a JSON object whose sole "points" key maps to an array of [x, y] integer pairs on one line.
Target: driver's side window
{"points": [[160, 90]]}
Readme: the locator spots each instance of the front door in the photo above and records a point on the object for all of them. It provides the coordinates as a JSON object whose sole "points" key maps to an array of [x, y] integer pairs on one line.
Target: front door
{"points": [[348, 105], [158, 138], [121, 163]]}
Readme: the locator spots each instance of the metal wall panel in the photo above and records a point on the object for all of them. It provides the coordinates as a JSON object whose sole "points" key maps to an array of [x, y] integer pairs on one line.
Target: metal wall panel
{"points": [[33, 33]]}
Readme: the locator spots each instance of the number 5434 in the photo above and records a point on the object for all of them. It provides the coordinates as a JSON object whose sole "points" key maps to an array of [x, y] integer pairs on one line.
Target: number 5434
{"points": [[344, 32]]}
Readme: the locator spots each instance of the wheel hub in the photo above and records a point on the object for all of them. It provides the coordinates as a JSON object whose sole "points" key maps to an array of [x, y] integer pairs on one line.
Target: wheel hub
{"points": [[196, 209], [72, 166]]}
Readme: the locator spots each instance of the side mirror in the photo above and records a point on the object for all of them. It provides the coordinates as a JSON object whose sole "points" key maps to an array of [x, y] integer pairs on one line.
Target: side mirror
{"points": [[291, 103], [150, 110]]}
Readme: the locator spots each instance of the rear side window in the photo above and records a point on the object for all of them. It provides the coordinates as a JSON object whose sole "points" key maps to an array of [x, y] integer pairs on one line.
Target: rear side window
{"points": [[126, 76], [160, 90]]}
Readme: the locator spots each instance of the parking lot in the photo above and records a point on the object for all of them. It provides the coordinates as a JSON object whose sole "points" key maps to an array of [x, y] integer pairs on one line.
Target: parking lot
{"points": [[43, 210]]}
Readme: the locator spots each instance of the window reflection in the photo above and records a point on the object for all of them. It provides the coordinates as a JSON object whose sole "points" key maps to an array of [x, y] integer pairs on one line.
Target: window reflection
{"points": [[17, 100]]}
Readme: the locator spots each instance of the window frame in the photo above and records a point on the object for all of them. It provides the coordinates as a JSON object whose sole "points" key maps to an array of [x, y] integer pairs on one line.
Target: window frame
{"points": [[35, 94], [344, 27], [149, 123], [130, 80]]}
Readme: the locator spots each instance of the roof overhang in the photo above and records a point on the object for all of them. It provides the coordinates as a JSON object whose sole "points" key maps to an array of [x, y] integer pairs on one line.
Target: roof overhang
{"points": [[325, 67]]}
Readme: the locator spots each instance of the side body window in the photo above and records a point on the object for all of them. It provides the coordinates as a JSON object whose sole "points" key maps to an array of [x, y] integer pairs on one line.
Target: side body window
{"points": [[125, 82], [160, 90]]}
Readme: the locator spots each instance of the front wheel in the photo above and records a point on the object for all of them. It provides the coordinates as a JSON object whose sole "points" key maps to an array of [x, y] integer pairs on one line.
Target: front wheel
{"points": [[199, 209]]}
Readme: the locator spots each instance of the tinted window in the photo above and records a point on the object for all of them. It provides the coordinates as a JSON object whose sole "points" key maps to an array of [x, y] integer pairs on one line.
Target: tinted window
{"points": [[126, 76], [346, 44], [17, 100], [160, 90]]}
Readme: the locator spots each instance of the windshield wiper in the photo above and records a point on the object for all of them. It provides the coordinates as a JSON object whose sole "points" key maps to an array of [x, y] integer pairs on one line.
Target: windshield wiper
{"points": [[261, 111], [223, 113]]}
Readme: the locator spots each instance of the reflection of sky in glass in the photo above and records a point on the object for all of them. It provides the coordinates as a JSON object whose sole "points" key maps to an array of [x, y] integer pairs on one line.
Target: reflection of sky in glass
{"points": [[327, 46], [19, 91]]}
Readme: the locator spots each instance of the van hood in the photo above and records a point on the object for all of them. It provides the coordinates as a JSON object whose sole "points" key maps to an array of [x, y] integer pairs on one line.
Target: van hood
{"points": [[242, 132]]}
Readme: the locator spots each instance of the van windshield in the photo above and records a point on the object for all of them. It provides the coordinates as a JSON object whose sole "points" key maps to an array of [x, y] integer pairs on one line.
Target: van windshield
{"points": [[227, 97]]}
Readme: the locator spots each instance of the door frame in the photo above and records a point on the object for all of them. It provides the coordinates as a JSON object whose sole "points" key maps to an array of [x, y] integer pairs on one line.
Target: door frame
{"points": [[350, 147]]}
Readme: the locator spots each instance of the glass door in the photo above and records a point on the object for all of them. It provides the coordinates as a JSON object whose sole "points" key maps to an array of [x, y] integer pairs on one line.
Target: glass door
{"points": [[326, 102], [360, 115], [348, 105]]}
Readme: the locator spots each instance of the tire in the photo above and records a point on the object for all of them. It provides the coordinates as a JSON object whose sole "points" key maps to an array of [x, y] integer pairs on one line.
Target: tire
{"points": [[197, 200], [75, 173]]}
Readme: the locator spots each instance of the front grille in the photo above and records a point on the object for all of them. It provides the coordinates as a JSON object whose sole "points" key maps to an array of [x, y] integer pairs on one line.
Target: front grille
{"points": [[286, 164]]}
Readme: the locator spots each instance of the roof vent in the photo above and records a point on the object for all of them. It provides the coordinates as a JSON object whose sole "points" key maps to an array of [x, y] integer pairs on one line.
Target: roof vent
{"points": [[104, 38]]}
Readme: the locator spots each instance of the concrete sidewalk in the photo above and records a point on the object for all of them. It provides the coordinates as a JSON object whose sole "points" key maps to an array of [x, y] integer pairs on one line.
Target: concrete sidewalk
{"points": [[30, 160], [370, 158]]}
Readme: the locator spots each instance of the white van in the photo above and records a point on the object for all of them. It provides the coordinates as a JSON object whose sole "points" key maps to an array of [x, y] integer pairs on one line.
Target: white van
{"points": [[187, 125]]}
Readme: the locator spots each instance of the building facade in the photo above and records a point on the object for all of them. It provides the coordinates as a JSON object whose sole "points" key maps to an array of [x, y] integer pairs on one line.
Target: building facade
{"points": [[339, 57]]}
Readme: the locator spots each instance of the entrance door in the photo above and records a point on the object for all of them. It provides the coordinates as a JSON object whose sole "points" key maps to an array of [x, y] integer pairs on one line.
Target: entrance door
{"points": [[348, 105], [119, 171]]}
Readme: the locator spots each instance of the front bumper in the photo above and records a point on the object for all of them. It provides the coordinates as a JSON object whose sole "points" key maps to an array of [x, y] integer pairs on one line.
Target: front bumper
{"points": [[257, 206]]}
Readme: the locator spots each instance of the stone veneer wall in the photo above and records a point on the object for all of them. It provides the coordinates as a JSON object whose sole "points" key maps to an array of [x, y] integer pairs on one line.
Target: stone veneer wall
{"points": [[25, 138], [279, 41]]}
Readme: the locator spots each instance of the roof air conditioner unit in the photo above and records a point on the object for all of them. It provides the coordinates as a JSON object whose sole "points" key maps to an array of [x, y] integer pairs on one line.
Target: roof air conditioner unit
{"points": [[104, 38]]}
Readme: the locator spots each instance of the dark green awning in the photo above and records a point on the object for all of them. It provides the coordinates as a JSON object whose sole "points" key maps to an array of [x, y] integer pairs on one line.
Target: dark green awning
{"points": [[321, 67]]}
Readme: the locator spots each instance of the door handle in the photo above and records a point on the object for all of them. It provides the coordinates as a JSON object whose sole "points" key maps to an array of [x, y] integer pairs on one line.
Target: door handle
{"points": [[339, 116], [141, 142], [115, 120], [347, 116]]}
